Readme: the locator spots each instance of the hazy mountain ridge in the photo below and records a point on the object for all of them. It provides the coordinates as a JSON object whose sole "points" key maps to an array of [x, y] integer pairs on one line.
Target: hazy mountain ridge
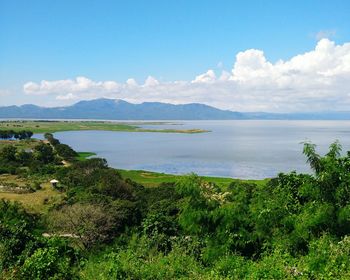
{"points": [[122, 110]]}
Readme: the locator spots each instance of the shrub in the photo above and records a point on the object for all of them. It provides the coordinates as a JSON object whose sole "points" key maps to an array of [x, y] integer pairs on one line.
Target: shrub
{"points": [[53, 261]]}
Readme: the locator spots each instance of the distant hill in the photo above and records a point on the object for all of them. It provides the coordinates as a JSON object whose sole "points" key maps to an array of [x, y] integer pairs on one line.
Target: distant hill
{"points": [[120, 110], [114, 109]]}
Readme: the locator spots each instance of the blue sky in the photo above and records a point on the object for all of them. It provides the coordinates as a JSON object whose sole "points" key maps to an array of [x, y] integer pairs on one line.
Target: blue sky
{"points": [[169, 40]]}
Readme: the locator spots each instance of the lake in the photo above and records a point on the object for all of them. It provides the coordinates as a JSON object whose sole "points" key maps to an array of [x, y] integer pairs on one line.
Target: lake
{"points": [[240, 149]]}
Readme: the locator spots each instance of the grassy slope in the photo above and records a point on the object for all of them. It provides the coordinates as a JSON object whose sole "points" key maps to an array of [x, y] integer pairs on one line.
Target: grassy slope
{"points": [[55, 126], [33, 202], [23, 144]]}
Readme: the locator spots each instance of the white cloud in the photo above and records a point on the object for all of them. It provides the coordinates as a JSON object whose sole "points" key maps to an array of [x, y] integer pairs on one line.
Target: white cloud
{"points": [[313, 81], [79, 85], [225, 76], [151, 82], [207, 77], [131, 82], [31, 88]]}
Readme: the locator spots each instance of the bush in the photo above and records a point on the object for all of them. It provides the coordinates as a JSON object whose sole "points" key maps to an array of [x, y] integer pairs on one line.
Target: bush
{"points": [[53, 261], [16, 232], [89, 224]]}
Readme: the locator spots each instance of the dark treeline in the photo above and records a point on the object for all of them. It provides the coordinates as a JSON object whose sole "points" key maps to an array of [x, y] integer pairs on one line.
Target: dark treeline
{"points": [[63, 150], [296, 226], [11, 134]]}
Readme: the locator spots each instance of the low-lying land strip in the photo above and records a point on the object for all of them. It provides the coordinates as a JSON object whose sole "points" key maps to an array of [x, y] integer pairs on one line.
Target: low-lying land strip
{"points": [[43, 126], [154, 179]]}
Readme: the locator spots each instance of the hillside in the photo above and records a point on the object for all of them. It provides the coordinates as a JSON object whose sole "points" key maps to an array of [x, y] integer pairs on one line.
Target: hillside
{"points": [[115, 109], [120, 110]]}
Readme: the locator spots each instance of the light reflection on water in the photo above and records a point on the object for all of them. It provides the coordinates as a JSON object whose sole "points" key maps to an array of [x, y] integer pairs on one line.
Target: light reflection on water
{"points": [[241, 149]]}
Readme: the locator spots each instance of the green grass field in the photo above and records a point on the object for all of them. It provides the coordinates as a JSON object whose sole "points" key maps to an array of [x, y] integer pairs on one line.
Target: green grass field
{"points": [[37, 202], [23, 144], [84, 155], [153, 179], [55, 126]]}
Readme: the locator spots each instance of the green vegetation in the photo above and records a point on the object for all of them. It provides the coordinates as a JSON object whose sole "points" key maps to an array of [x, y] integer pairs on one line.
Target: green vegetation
{"points": [[21, 134], [23, 144], [102, 223], [40, 200], [84, 155], [55, 126], [154, 179]]}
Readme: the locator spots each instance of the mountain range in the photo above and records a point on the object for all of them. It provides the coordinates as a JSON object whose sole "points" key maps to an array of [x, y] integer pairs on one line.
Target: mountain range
{"points": [[115, 109]]}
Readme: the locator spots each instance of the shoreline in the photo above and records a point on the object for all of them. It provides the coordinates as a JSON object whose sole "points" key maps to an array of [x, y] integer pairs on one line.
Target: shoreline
{"points": [[153, 178], [49, 126]]}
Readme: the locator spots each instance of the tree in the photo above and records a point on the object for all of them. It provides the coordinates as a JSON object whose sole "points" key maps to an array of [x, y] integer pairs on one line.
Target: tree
{"points": [[331, 170], [44, 153], [91, 165], [52, 140], [7, 134], [48, 135], [23, 134], [16, 227], [109, 183], [8, 153], [89, 223], [24, 157], [65, 151]]}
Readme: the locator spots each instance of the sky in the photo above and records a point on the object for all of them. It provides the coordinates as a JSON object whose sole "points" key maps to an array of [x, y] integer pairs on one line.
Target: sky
{"points": [[272, 56]]}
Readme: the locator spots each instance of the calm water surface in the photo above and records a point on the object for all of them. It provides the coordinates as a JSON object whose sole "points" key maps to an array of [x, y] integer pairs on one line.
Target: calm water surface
{"points": [[241, 149]]}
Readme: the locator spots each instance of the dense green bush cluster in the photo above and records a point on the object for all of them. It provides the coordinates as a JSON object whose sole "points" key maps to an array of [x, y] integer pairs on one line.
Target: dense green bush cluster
{"points": [[43, 158], [296, 226], [25, 254]]}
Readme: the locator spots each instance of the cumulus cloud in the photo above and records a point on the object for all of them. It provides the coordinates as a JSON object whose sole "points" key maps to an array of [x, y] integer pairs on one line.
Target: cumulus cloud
{"points": [[79, 85], [131, 82], [317, 80], [151, 82], [207, 77]]}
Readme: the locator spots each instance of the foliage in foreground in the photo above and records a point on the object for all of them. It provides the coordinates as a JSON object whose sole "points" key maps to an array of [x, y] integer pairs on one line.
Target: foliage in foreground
{"points": [[25, 254], [296, 226]]}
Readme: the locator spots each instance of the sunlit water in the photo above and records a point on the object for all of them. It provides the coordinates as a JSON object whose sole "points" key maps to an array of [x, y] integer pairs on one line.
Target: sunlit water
{"points": [[241, 149]]}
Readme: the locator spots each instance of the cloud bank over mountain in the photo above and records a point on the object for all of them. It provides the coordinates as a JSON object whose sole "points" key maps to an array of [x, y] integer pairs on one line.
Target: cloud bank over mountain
{"points": [[306, 82]]}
